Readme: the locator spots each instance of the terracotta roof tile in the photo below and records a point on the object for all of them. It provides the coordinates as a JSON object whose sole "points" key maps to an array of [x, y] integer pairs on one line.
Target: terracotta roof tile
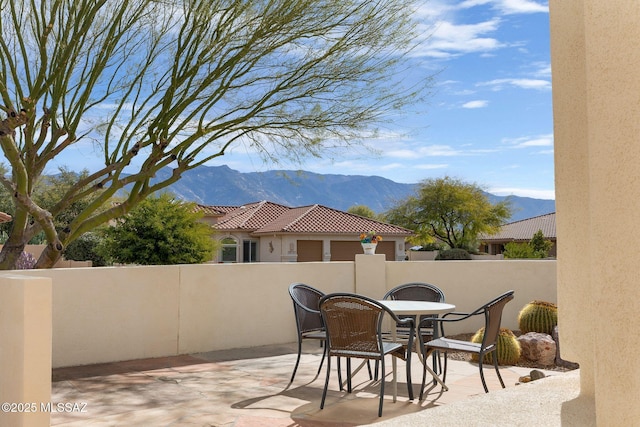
{"points": [[267, 217], [251, 217], [323, 220], [524, 230]]}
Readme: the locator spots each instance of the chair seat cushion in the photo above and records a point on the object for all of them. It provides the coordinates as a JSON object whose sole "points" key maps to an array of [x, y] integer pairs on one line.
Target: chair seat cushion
{"points": [[445, 344]]}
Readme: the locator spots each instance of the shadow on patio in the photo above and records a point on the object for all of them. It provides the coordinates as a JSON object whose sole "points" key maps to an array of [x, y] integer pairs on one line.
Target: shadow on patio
{"points": [[247, 387]]}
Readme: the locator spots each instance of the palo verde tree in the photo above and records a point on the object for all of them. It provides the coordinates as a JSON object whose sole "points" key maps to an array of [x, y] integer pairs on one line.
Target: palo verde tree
{"points": [[451, 211], [175, 83]]}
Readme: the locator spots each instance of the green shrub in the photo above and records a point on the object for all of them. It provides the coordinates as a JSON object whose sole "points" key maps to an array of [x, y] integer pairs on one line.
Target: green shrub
{"points": [[508, 347], [518, 251], [85, 248], [453, 254], [537, 247]]}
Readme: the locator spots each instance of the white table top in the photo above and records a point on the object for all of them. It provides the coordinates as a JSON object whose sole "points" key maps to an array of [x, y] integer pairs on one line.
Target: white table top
{"points": [[404, 307]]}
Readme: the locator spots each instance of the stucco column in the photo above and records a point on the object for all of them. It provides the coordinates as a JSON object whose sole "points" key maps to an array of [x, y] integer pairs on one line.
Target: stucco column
{"points": [[25, 350], [371, 275], [596, 102]]}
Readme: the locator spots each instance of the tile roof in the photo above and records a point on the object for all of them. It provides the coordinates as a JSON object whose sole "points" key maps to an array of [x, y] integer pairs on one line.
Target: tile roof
{"points": [[267, 217], [524, 230], [214, 210], [251, 217]]}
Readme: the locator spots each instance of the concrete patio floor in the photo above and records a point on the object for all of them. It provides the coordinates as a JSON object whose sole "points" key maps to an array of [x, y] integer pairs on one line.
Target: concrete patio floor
{"points": [[250, 387]]}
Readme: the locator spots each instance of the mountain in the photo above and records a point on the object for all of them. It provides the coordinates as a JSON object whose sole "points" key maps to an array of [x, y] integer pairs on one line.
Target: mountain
{"points": [[221, 185]]}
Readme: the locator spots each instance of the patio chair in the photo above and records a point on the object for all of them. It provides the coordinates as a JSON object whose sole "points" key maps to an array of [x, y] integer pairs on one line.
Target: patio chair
{"points": [[354, 330], [418, 291], [492, 312], [306, 301]]}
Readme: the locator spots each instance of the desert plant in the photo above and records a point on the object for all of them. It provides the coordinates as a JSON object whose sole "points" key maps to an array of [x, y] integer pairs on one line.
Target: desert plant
{"points": [[26, 261], [538, 316], [452, 254], [507, 348], [515, 250]]}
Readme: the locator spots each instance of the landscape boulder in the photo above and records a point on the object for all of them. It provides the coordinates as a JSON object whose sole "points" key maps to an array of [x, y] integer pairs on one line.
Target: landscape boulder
{"points": [[538, 347]]}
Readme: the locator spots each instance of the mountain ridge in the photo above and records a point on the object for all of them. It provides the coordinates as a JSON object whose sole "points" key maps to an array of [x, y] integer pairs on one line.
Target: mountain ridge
{"points": [[221, 185]]}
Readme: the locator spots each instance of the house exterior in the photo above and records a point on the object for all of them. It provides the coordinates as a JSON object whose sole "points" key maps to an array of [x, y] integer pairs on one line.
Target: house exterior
{"points": [[521, 231], [270, 232]]}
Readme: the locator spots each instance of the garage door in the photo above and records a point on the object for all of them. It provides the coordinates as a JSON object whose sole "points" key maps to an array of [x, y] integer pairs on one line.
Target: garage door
{"points": [[309, 250]]}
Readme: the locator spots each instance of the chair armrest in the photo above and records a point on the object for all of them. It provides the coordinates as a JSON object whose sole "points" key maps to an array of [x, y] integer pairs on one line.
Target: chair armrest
{"points": [[460, 316]]}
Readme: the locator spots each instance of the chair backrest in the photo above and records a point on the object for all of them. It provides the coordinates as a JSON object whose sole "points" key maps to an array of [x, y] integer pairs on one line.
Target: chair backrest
{"points": [[353, 323], [416, 291], [306, 307], [493, 318]]}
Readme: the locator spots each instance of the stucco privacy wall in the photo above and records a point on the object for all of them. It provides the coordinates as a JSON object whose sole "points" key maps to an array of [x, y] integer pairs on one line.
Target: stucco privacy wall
{"points": [[25, 349], [110, 314], [596, 93]]}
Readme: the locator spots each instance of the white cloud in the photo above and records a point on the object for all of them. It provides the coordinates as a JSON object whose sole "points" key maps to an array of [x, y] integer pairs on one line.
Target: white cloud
{"points": [[510, 7], [499, 84], [524, 192], [532, 141], [475, 104], [449, 39]]}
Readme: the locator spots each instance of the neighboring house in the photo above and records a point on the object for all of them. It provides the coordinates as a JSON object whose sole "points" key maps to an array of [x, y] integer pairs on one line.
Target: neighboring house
{"points": [[270, 232], [521, 231]]}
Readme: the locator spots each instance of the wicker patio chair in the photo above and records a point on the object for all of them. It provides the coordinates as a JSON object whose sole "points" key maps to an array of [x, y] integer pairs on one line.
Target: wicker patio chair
{"points": [[418, 291], [492, 312], [354, 330], [306, 300]]}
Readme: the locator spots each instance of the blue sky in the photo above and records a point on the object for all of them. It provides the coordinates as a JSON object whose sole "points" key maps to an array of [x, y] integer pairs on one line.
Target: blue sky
{"points": [[489, 120]]}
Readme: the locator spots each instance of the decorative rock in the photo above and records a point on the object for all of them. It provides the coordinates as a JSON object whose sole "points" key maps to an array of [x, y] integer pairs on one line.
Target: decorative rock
{"points": [[536, 375], [537, 347]]}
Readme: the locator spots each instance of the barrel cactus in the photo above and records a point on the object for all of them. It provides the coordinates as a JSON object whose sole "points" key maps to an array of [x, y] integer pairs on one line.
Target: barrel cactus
{"points": [[538, 316], [507, 349]]}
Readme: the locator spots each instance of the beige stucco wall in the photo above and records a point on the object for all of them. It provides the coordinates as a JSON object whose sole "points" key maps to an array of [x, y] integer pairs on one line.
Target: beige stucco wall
{"points": [[596, 93], [120, 313], [25, 350]]}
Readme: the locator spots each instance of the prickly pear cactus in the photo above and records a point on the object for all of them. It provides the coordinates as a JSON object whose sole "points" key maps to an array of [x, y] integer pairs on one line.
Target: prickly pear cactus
{"points": [[508, 347], [538, 316]]}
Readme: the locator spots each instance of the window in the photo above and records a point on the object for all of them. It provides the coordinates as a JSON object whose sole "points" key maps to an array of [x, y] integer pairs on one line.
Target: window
{"points": [[249, 251], [229, 250]]}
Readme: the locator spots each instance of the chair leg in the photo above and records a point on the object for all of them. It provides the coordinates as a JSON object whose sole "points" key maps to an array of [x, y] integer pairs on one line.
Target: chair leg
{"points": [[381, 388], [295, 368], [425, 356], [369, 369], [484, 383], [324, 355], [348, 375], [326, 381], [339, 374], [495, 364], [409, 384]]}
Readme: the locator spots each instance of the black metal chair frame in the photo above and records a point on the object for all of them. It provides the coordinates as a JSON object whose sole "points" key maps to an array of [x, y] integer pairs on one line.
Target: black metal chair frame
{"points": [[353, 332], [419, 291], [492, 312], [308, 319]]}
